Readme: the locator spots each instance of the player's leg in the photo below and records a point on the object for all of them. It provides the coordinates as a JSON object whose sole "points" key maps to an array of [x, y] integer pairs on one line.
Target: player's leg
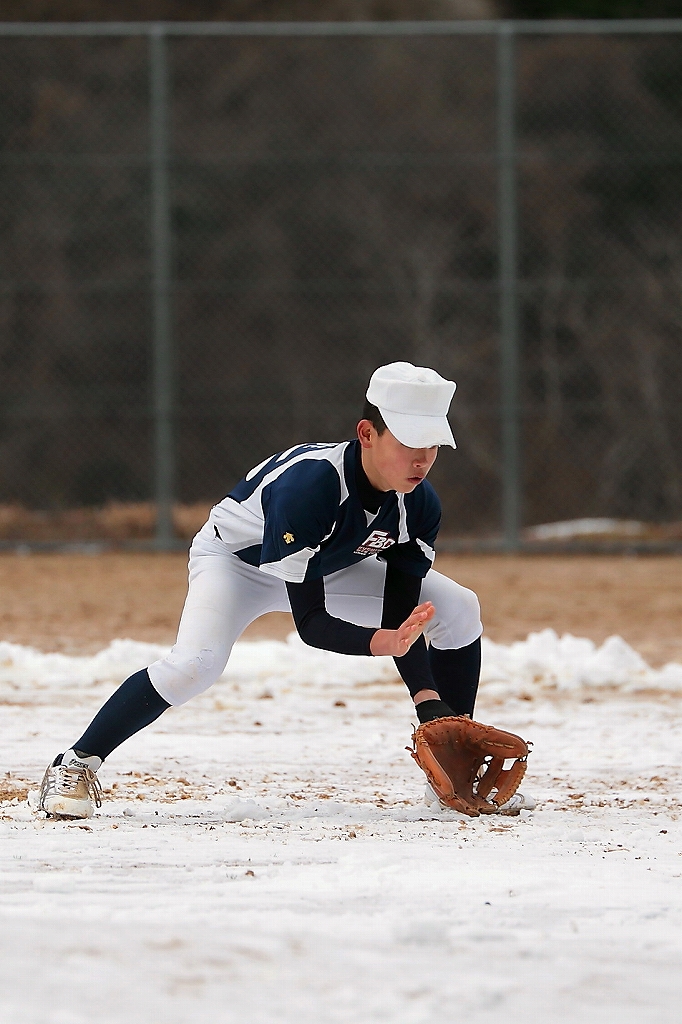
{"points": [[224, 595], [70, 785], [220, 603], [356, 594], [455, 657], [456, 672], [454, 637]]}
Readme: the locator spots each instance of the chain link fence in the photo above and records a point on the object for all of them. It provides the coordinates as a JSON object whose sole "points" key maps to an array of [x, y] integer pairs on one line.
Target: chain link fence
{"points": [[213, 234]]}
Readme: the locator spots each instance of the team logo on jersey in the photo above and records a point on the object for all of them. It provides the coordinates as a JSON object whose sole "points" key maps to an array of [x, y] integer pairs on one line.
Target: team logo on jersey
{"points": [[288, 538], [378, 540]]}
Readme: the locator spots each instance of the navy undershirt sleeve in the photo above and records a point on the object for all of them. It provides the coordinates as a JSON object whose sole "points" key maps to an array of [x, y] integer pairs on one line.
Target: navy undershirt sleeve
{"points": [[317, 628], [401, 596]]}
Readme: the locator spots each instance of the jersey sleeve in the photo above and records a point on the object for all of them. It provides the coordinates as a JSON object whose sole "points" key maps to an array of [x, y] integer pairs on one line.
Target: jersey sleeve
{"points": [[419, 524], [317, 628], [299, 510]]}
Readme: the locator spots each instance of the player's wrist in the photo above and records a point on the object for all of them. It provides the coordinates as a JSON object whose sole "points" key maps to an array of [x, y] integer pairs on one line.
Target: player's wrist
{"points": [[385, 643], [381, 643]]}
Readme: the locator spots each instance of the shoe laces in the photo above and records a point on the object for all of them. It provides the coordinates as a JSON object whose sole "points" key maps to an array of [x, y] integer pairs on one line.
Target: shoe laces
{"points": [[66, 778]]}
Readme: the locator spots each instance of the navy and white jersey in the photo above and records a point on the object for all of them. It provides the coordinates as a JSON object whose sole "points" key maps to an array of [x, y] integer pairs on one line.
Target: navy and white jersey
{"points": [[299, 516]]}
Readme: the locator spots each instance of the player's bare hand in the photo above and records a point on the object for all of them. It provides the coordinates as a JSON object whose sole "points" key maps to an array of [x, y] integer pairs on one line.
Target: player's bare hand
{"points": [[396, 642]]}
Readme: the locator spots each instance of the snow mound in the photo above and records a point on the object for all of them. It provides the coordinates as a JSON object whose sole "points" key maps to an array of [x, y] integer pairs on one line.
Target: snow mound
{"points": [[541, 664], [546, 662], [585, 528], [24, 666]]}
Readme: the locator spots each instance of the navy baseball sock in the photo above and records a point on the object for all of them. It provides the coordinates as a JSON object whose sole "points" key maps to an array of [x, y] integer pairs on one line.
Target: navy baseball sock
{"points": [[133, 706], [456, 674], [430, 709]]}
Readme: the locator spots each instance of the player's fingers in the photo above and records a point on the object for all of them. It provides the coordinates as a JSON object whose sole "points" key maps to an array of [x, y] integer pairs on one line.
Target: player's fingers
{"points": [[409, 632], [424, 611], [413, 626], [421, 615]]}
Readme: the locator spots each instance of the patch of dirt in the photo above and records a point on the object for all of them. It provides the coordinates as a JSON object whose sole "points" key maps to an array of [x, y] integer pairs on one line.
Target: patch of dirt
{"points": [[11, 790], [78, 603]]}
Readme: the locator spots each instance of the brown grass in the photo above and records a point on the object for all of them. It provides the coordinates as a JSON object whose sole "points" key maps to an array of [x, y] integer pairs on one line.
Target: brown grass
{"points": [[118, 522], [115, 522]]}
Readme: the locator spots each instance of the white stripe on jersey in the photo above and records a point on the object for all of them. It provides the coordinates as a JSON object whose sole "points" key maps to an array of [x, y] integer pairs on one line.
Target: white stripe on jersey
{"points": [[292, 568], [403, 536], [256, 469], [333, 456], [428, 551], [241, 523], [320, 444]]}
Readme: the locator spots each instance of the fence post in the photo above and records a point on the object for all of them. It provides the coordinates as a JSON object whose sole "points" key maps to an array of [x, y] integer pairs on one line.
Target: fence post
{"points": [[164, 461], [507, 227]]}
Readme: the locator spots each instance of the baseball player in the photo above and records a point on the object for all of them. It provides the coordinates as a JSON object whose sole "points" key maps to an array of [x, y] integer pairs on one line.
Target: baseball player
{"points": [[342, 535]]}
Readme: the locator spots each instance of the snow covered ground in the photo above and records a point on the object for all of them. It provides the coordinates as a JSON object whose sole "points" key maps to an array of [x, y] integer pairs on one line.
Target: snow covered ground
{"points": [[264, 854]]}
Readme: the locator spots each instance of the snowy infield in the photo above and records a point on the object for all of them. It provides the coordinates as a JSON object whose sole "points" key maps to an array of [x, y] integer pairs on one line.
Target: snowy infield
{"points": [[264, 854]]}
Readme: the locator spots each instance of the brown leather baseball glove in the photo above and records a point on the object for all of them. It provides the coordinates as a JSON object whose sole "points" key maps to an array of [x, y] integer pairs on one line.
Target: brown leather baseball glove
{"points": [[464, 762]]}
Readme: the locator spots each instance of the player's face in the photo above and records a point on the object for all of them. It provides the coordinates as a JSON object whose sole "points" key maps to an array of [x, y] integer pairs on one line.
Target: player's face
{"points": [[390, 465]]}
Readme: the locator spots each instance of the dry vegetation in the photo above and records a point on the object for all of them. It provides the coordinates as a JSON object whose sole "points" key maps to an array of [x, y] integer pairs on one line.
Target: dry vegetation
{"points": [[120, 523], [115, 522]]}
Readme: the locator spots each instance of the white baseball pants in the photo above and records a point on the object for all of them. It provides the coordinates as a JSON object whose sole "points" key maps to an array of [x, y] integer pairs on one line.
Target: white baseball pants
{"points": [[225, 595]]}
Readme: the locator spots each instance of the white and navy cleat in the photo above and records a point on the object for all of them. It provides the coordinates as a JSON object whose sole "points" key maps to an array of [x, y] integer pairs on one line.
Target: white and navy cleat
{"points": [[517, 803], [70, 787]]}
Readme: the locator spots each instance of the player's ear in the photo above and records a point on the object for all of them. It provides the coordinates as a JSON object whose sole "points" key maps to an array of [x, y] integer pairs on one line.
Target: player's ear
{"points": [[364, 430]]}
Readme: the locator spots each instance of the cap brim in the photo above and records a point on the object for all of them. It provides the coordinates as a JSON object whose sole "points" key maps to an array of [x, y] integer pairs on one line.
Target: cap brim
{"points": [[418, 431]]}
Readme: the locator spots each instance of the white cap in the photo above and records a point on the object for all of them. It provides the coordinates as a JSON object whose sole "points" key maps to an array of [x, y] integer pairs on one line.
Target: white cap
{"points": [[413, 401]]}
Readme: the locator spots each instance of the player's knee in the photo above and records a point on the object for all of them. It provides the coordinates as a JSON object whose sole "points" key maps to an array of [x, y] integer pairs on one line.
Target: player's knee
{"points": [[458, 618], [470, 608], [467, 614], [184, 674]]}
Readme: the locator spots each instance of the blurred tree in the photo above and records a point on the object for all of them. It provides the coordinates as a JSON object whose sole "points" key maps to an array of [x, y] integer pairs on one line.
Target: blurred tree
{"points": [[592, 8], [333, 208], [245, 10]]}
